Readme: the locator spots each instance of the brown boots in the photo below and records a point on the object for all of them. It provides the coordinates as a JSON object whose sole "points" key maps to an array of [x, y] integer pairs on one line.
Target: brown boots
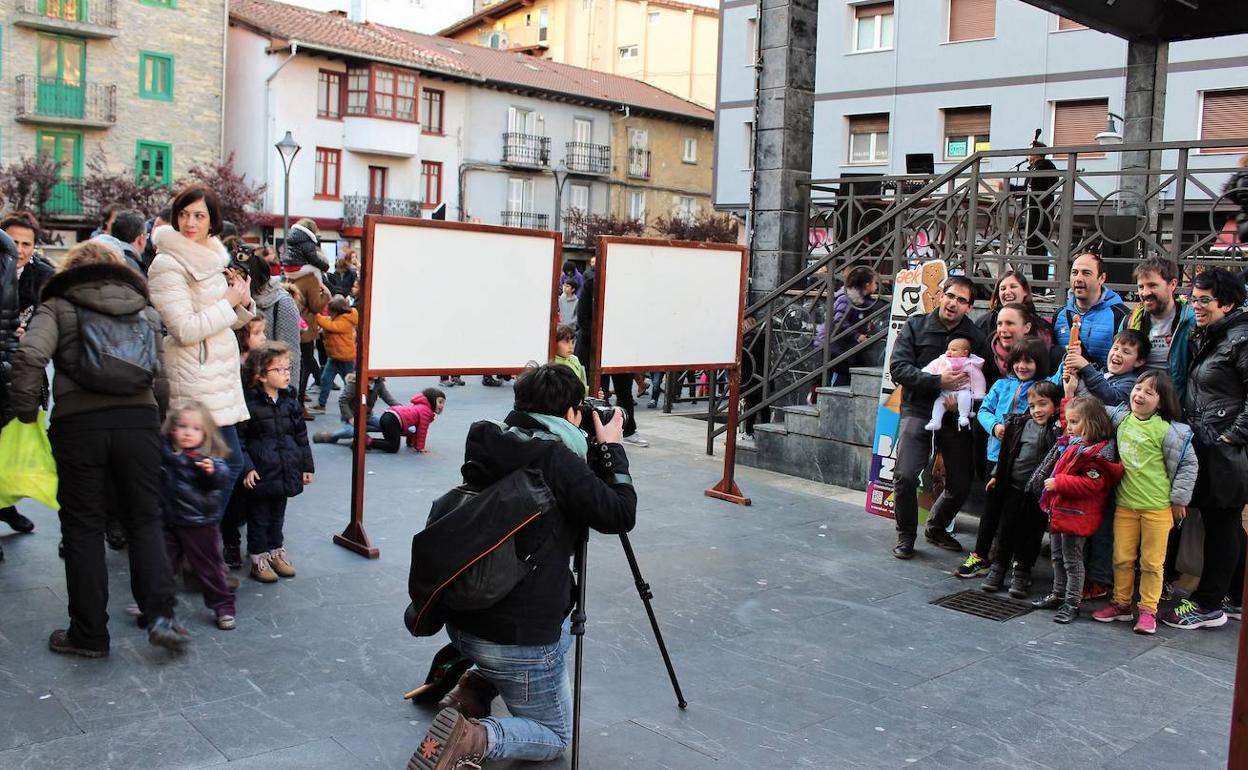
{"points": [[471, 696], [453, 742]]}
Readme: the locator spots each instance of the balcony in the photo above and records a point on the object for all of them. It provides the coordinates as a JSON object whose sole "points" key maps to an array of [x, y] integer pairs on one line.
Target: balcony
{"points": [[574, 237], [638, 163], [379, 136], [355, 207], [526, 150], [586, 158], [81, 18], [524, 219], [55, 102]]}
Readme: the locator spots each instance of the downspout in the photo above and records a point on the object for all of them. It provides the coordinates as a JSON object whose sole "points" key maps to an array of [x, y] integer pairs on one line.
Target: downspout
{"points": [[268, 98]]}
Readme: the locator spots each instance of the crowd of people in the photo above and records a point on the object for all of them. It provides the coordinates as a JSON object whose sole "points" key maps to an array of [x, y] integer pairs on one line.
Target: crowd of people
{"points": [[1107, 425]]}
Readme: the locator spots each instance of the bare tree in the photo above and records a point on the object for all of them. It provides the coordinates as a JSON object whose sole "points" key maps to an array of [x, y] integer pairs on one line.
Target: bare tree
{"points": [[240, 199], [102, 187], [29, 183], [704, 228]]}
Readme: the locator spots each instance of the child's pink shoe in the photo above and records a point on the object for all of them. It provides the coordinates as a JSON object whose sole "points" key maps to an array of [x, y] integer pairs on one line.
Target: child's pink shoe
{"points": [[1111, 612], [1147, 624]]}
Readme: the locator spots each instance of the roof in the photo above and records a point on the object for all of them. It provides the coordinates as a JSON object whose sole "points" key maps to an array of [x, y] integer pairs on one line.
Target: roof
{"points": [[511, 70], [503, 7], [1165, 20]]}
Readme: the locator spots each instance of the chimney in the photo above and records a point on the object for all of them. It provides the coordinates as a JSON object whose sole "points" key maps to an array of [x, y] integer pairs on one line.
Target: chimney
{"points": [[359, 10]]}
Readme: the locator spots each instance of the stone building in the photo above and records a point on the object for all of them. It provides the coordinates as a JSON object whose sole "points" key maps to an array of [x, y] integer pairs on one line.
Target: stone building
{"points": [[136, 83], [664, 166]]}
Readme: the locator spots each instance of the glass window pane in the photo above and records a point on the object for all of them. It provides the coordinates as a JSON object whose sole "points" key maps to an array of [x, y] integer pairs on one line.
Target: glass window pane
{"points": [[859, 148], [71, 64], [866, 34], [881, 146], [886, 31], [49, 52]]}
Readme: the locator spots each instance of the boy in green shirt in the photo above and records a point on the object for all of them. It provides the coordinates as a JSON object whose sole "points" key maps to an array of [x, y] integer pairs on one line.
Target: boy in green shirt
{"points": [[565, 342]]}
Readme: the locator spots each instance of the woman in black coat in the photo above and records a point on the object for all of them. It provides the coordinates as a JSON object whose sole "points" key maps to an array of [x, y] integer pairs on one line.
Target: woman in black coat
{"points": [[1217, 410]]}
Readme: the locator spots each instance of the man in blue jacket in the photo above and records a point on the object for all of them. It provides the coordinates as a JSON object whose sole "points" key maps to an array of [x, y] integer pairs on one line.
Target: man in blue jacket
{"points": [[1097, 307]]}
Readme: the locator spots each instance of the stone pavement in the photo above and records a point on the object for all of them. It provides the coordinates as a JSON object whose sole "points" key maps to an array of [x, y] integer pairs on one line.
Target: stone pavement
{"points": [[798, 640]]}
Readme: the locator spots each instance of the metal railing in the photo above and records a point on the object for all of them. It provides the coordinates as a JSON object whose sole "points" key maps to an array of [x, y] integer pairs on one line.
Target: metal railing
{"points": [[50, 99], [586, 158], [981, 221], [99, 13], [638, 163], [524, 219], [355, 207], [526, 149]]}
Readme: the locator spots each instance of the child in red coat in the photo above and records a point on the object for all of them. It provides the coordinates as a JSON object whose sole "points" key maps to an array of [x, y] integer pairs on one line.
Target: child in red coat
{"points": [[1076, 480], [412, 421]]}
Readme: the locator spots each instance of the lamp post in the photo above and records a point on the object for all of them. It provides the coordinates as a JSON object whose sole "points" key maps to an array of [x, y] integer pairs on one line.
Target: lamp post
{"points": [[288, 148], [560, 181]]}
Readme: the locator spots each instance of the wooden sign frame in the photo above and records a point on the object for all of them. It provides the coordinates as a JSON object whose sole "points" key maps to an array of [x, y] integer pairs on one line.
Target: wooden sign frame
{"points": [[354, 537]]}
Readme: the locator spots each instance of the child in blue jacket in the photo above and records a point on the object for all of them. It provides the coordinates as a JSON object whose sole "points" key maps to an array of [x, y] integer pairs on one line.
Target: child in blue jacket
{"points": [[1123, 365], [1027, 364]]}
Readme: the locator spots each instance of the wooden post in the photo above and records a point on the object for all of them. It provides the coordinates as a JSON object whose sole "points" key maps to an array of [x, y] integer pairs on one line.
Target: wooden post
{"points": [[1237, 755], [727, 488]]}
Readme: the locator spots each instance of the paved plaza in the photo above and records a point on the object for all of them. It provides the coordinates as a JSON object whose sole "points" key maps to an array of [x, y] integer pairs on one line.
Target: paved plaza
{"points": [[798, 640]]}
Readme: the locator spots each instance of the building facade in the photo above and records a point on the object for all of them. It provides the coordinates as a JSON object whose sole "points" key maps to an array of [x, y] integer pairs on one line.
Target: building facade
{"points": [[130, 86], [667, 43], [664, 169], [948, 77]]}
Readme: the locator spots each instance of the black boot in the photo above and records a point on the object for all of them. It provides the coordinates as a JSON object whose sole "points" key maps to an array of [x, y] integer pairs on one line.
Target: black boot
{"points": [[905, 547], [489, 381], [1020, 583], [16, 521]]}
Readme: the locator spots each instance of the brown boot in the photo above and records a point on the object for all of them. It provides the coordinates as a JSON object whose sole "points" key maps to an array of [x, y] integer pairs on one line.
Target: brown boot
{"points": [[471, 696], [261, 570], [280, 563], [453, 742]]}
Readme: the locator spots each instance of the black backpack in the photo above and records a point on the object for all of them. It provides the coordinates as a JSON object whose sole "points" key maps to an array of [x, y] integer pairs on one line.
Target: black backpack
{"points": [[468, 558], [119, 353]]}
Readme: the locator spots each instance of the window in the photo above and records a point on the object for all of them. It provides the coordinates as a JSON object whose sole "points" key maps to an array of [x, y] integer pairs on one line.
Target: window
{"points": [[1224, 115], [431, 182], [543, 21], [972, 19], [155, 76], [1078, 122], [329, 94], [748, 145], [578, 197], [583, 130], [152, 162], [637, 206], [520, 195], [381, 92], [686, 208], [496, 40], [628, 52], [873, 27], [431, 102], [328, 172], [1064, 24], [378, 184], [690, 154], [868, 139], [653, 17], [751, 41], [966, 131]]}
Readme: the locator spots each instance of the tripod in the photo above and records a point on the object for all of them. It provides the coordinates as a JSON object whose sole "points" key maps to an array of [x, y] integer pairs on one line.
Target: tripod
{"points": [[579, 566]]}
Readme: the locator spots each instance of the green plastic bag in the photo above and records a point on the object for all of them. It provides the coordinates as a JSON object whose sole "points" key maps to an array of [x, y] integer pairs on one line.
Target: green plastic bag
{"points": [[27, 468]]}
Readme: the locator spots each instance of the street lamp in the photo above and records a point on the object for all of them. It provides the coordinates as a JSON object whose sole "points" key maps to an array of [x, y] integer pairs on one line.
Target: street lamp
{"points": [[1111, 134], [288, 148], [560, 181]]}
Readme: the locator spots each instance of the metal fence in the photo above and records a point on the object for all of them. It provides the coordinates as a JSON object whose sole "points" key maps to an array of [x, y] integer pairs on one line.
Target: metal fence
{"points": [[55, 99], [585, 158], [526, 149], [100, 13], [524, 219], [355, 207]]}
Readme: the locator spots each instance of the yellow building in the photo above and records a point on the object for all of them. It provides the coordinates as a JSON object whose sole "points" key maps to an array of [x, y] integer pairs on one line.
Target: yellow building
{"points": [[669, 44], [662, 168]]}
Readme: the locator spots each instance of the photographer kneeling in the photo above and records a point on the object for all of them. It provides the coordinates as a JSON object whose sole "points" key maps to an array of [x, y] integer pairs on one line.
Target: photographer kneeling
{"points": [[520, 644]]}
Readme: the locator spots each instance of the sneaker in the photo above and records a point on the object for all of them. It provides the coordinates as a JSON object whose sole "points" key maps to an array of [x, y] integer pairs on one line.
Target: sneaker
{"points": [[280, 564], [164, 632], [652, 404], [974, 566], [904, 549], [307, 416], [1020, 583], [1188, 616], [1172, 592], [59, 642], [489, 382], [1066, 613], [942, 539], [453, 742], [458, 381], [1114, 612], [226, 622], [995, 579], [1093, 590], [636, 440], [1147, 624], [1232, 610], [316, 409], [1049, 602], [233, 556], [261, 570]]}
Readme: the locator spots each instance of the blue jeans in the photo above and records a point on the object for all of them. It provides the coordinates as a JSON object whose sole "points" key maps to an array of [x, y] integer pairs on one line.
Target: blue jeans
{"points": [[347, 430], [234, 462], [333, 369], [534, 684]]}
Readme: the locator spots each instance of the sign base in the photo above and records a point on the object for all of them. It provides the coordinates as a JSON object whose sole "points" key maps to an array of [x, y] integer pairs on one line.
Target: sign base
{"points": [[354, 538], [728, 490]]}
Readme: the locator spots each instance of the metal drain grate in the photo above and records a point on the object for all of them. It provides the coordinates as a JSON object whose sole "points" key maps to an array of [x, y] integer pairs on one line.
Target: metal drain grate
{"points": [[982, 605]]}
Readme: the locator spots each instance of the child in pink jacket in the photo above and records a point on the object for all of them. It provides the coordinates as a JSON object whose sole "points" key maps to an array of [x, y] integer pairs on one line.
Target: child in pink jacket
{"points": [[958, 358], [412, 421]]}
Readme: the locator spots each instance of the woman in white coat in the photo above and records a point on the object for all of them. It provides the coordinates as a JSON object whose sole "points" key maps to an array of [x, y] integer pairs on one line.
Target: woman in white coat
{"points": [[200, 305]]}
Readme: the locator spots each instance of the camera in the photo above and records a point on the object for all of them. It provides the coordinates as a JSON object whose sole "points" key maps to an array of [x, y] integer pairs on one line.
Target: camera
{"points": [[591, 405]]}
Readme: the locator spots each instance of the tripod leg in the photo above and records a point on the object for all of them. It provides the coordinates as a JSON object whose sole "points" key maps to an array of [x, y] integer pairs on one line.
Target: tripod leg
{"points": [[578, 631], [643, 590]]}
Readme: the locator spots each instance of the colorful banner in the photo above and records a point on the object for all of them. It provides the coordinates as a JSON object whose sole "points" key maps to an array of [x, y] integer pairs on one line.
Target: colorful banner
{"points": [[914, 291]]}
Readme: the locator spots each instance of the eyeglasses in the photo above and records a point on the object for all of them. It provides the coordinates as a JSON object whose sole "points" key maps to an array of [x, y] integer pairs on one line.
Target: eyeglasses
{"points": [[958, 298], [282, 369], [1205, 300]]}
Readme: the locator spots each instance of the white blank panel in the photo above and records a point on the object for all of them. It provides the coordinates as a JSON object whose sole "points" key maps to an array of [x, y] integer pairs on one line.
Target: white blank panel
{"points": [[669, 306], [446, 299]]}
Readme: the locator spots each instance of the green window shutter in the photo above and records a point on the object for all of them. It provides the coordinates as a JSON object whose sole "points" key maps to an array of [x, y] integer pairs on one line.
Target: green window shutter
{"points": [[153, 162], [155, 76]]}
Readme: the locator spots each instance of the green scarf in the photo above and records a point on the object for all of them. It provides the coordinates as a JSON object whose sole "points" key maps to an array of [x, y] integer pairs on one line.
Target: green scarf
{"points": [[565, 431]]}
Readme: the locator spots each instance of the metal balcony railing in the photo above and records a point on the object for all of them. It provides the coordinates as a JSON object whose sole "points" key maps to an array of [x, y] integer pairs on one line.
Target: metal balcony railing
{"points": [[524, 219], [356, 207], [69, 14], [586, 158], [526, 150], [47, 100], [638, 163], [574, 237]]}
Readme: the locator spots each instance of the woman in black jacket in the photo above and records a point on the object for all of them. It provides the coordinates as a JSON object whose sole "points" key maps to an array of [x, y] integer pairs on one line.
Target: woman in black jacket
{"points": [[1217, 409]]}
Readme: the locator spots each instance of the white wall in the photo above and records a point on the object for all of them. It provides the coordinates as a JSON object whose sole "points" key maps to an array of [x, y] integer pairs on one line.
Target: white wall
{"points": [[426, 16]]}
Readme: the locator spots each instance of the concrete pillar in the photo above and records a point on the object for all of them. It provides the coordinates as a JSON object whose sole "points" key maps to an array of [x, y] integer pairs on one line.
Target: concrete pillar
{"points": [[783, 141], [1144, 113]]}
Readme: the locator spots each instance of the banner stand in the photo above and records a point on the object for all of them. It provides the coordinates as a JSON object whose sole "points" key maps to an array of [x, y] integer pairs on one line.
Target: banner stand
{"points": [[727, 488]]}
